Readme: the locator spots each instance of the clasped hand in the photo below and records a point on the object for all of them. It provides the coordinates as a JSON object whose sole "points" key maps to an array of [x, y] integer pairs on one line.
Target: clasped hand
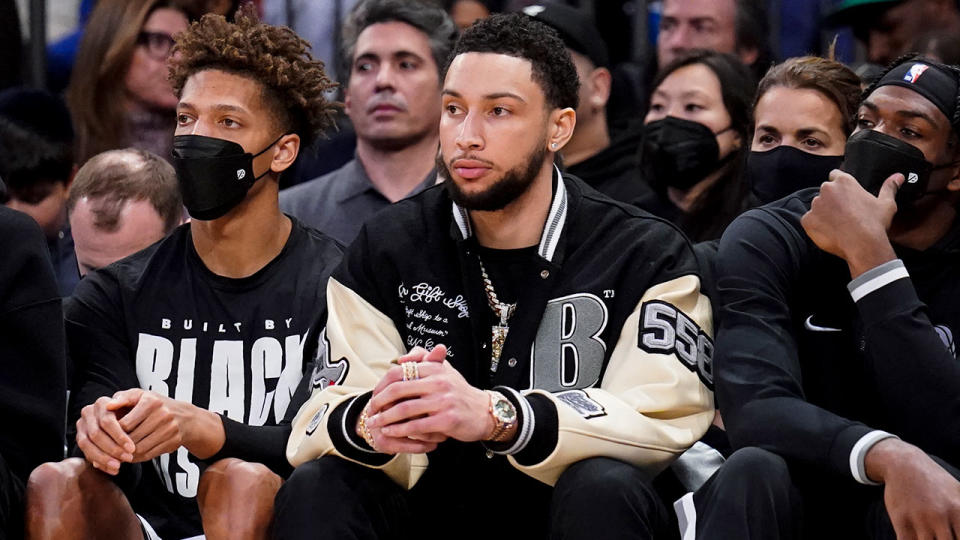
{"points": [[414, 416], [131, 426]]}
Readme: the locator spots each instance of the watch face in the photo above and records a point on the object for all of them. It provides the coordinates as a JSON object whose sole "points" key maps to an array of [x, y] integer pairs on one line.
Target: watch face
{"points": [[504, 410]]}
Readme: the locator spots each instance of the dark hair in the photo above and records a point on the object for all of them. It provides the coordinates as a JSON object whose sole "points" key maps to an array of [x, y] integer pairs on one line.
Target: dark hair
{"points": [[425, 17], [111, 179], [729, 196], [834, 80], [752, 28], [520, 36], [96, 93], [293, 82], [36, 143]]}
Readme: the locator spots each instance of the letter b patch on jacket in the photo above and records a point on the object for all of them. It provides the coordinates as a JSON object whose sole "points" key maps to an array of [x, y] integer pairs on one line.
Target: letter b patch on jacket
{"points": [[568, 352]]}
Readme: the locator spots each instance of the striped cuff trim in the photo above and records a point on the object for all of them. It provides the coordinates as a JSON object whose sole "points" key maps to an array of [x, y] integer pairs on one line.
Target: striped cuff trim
{"points": [[876, 278], [349, 434], [527, 422], [859, 453]]}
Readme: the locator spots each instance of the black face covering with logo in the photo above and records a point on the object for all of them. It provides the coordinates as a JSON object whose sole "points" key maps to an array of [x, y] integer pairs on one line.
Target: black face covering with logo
{"points": [[871, 157], [214, 174]]}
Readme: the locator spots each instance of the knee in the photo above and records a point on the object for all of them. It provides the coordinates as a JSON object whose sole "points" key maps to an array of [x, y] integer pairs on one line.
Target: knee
{"points": [[751, 465], [604, 479], [58, 477], [234, 477], [321, 478]]}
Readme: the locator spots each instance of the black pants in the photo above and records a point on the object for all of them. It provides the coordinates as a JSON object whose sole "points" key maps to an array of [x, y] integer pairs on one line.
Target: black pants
{"points": [[12, 501], [757, 495], [595, 498]]}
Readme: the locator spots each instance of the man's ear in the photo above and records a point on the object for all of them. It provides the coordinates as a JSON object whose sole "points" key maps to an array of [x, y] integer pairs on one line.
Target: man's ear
{"points": [[748, 55], [600, 82], [561, 126], [953, 151], [287, 149]]}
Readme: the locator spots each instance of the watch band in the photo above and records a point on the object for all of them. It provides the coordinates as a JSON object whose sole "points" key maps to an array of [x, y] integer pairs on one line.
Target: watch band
{"points": [[501, 426]]}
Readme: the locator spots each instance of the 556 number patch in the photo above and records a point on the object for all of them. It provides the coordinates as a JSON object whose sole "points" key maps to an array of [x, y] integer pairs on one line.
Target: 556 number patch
{"points": [[664, 329]]}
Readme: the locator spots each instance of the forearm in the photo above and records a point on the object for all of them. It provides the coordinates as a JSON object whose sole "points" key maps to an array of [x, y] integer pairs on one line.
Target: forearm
{"points": [[904, 352], [201, 430], [867, 255], [886, 454]]}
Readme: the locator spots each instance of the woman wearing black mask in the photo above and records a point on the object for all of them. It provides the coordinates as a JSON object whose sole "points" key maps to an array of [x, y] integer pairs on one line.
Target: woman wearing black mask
{"points": [[804, 112], [695, 140]]}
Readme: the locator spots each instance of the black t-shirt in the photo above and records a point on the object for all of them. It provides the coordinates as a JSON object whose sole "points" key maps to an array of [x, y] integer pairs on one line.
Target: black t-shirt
{"points": [[160, 320]]}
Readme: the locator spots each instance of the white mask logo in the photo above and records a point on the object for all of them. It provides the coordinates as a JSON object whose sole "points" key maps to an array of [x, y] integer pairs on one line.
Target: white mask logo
{"points": [[912, 178], [241, 173]]}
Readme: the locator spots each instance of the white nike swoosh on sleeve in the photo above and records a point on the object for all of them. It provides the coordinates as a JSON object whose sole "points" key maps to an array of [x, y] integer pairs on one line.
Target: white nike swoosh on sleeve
{"points": [[808, 324]]}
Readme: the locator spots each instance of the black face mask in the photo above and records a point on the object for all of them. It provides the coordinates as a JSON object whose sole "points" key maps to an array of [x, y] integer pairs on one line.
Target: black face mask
{"points": [[214, 174], [680, 153], [776, 173], [871, 157]]}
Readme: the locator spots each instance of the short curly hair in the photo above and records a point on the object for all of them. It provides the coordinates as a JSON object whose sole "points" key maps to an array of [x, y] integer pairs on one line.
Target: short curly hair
{"points": [[520, 36], [294, 82]]}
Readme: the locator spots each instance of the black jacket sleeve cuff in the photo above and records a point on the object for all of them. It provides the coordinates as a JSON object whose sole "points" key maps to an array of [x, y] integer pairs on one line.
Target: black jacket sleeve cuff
{"points": [[340, 426], [537, 428], [256, 444], [843, 446]]}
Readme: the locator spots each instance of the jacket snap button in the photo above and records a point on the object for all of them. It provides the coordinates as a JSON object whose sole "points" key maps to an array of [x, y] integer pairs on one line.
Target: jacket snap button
{"points": [[545, 274]]}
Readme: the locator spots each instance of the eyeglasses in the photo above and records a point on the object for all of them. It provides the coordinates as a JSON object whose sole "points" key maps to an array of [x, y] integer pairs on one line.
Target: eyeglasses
{"points": [[158, 44]]}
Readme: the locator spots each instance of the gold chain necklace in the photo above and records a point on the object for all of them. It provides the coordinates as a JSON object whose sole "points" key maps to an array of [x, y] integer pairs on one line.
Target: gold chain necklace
{"points": [[500, 309]]}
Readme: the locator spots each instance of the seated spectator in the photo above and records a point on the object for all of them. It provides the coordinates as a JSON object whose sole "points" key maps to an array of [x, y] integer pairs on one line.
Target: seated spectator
{"points": [[888, 28], [395, 49], [608, 166], [737, 27], [695, 142], [836, 363], [36, 162], [803, 114], [188, 353], [120, 202], [561, 385], [940, 45], [119, 95], [33, 384]]}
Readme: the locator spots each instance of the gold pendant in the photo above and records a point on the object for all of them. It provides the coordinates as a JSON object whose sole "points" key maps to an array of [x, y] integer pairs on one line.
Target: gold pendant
{"points": [[499, 333]]}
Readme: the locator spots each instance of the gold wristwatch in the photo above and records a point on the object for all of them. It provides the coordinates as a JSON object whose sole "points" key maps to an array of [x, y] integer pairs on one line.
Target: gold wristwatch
{"points": [[504, 416]]}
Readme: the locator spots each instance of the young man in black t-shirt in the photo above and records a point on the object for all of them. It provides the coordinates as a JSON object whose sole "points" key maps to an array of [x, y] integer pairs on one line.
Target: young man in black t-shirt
{"points": [[190, 351]]}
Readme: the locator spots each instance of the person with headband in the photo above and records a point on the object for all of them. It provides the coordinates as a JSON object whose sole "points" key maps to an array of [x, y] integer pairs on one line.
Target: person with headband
{"points": [[836, 364]]}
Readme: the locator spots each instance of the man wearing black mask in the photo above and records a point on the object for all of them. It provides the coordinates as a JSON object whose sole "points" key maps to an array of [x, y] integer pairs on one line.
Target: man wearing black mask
{"points": [[189, 352], [835, 358]]}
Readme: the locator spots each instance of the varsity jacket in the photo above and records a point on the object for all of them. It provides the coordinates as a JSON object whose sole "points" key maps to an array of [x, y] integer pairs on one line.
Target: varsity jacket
{"points": [[818, 368], [609, 353]]}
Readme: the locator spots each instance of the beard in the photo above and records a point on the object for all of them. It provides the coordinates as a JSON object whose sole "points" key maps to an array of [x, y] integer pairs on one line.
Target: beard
{"points": [[502, 192]]}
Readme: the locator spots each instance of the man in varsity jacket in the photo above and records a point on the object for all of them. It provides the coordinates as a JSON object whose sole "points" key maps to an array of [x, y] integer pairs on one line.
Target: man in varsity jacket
{"points": [[835, 354], [576, 345]]}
